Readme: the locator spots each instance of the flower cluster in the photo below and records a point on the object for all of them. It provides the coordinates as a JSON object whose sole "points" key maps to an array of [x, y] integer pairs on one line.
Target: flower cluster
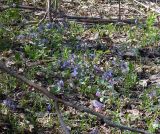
{"points": [[60, 84], [9, 103], [107, 75], [41, 35]]}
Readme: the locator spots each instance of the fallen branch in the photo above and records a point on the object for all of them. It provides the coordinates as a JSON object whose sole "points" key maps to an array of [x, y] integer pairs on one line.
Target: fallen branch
{"points": [[44, 17], [77, 18], [100, 20], [65, 129], [6, 7], [82, 19], [48, 10], [67, 103]]}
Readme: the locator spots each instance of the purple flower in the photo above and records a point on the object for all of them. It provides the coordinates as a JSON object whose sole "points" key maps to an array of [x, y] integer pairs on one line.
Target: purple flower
{"points": [[97, 104], [94, 131], [49, 25], [60, 83], [33, 35], [74, 73], [40, 28], [113, 62], [65, 64], [92, 56], [73, 56], [111, 82], [97, 69], [124, 67], [49, 108], [107, 75], [9, 103], [152, 94], [20, 37], [98, 94], [44, 41]]}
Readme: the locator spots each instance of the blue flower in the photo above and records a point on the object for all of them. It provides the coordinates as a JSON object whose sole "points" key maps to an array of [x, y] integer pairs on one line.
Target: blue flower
{"points": [[124, 67], [98, 94], [75, 72], [49, 25], [97, 69], [33, 35], [9, 103], [92, 56], [44, 41], [40, 28], [65, 64], [49, 108], [97, 104], [73, 56], [60, 84], [20, 37], [111, 82], [107, 75], [113, 62]]}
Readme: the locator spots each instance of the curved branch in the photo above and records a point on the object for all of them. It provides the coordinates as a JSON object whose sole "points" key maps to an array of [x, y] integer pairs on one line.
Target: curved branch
{"points": [[65, 129]]}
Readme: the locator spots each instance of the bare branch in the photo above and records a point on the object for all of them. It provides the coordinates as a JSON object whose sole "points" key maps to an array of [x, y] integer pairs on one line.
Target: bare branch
{"points": [[119, 3], [65, 129], [82, 19], [49, 10], [5, 7], [44, 17]]}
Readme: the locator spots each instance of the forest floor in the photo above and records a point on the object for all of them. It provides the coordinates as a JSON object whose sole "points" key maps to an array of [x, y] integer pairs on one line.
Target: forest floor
{"points": [[112, 69]]}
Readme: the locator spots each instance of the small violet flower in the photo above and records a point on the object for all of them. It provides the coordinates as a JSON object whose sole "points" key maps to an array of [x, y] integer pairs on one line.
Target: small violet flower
{"points": [[9, 103], [40, 28], [124, 67], [49, 25], [111, 82], [107, 75], [75, 72], [98, 94], [20, 37], [66, 64], [44, 41], [60, 83], [94, 131], [49, 108], [73, 56], [97, 69], [152, 94], [97, 105], [92, 56], [33, 35]]}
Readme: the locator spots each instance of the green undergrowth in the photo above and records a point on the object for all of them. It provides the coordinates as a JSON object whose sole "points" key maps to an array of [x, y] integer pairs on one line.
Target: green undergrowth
{"points": [[76, 72]]}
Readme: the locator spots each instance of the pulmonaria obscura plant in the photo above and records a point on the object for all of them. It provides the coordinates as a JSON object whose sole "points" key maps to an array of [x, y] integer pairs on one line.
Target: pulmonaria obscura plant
{"points": [[47, 34]]}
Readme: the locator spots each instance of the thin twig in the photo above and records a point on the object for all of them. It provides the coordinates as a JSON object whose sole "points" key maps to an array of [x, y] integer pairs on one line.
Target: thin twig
{"points": [[44, 17], [119, 3], [5, 7], [67, 103], [31, 64], [64, 127], [49, 10]]}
